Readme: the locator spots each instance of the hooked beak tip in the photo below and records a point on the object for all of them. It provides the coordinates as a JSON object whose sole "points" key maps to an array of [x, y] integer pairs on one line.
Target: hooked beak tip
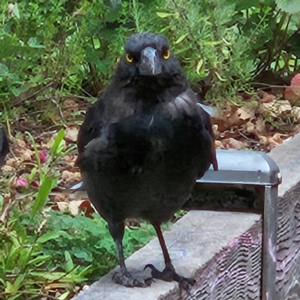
{"points": [[150, 63]]}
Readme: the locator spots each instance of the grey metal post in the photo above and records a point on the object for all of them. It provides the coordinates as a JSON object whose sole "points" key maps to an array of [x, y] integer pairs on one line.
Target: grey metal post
{"points": [[269, 243]]}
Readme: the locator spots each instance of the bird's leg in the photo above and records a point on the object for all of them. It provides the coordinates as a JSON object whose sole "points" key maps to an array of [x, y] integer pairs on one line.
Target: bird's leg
{"points": [[123, 277], [169, 273]]}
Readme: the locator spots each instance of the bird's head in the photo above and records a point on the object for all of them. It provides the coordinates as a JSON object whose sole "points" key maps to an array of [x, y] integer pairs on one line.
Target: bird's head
{"points": [[147, 58]]}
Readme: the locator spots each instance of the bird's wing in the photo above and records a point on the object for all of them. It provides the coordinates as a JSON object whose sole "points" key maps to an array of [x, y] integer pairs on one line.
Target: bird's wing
{"points": [[186, 103], [92, 125], [113, 105], [4, 146], [207, 123]]}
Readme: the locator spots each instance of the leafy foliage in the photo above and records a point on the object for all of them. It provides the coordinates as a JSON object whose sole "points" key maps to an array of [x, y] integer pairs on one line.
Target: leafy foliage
{"points": [[89, 243], [57, 48]]}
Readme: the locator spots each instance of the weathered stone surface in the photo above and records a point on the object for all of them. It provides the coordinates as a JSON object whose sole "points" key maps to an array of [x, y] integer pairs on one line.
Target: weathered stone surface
{"points": [[192, 242], [288, 245], [287, 157]]}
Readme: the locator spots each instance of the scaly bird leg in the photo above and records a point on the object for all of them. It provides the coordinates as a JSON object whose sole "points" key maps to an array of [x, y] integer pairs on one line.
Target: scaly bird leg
{"points": [[169, 273], [123, 276]]}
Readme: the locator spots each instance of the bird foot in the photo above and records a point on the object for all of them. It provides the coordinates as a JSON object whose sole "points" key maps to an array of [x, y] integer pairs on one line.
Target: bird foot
{"points": [[126, 279], [169, 274]]}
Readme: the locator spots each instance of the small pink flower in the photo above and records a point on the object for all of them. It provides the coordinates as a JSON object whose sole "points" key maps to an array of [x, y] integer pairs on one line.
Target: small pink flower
{"points": [[21, 182], [43, 154], [35, 184]]}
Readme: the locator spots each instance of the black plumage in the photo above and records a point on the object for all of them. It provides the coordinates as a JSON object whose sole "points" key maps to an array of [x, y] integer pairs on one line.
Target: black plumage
{"points": [[4, 146], [143, 144]]}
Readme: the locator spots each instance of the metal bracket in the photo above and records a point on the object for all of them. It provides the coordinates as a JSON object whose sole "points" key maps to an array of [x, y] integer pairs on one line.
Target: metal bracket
{"points": [[253, 168]]}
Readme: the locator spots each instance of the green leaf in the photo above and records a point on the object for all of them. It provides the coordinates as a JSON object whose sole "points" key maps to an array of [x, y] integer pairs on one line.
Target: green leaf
{"points": [[17, 91], [15, 297], [39, 259], [19, 280], [32, 42], [165, 14], [9, 288], [58, 143], [85, 271], [180, 39], [199, 65], [12, 258], [69, 265], [32, 174], [24, 257], [64, 296], [49, 236], [219, 76], [15, 11], [82, 254], [42, 195], [3, 70], [47, 275]]}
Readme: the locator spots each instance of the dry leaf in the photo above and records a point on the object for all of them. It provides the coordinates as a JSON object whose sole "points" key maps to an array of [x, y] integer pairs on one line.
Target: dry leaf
{"points": [[266, 97], [75, 207], [276, 108], [71, 134], [12, 162], [218, 144], [236, 117], [19, 144], [24, 154], [59, 197], [70, 177], [233, 117], [250, 127], [295, 112], [263, 139], [279, 137], [7, 168], [245, 113], [260, 126], [233, 144], [70, 105]]}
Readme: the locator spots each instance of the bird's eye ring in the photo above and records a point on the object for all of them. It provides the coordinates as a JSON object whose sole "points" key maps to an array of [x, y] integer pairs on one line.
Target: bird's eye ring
{"points": [[129, 58], [166, 54]]}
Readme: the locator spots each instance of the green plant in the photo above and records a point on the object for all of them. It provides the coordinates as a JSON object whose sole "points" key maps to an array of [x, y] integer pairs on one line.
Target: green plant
{"points": [[46, 252], [24, 268], [89, 243], [53, 49]]}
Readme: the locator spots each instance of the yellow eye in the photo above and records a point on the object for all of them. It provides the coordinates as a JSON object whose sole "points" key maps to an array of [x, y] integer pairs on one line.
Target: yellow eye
{"points": [[166, 54], [129, 58]]}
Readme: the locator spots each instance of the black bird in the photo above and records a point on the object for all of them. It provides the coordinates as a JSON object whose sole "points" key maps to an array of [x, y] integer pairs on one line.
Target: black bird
{"points": [[4, 146], [143, 144]]}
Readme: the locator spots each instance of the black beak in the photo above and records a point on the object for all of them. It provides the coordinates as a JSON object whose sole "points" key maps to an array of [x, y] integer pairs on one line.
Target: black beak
{"points": [[150, 64]]}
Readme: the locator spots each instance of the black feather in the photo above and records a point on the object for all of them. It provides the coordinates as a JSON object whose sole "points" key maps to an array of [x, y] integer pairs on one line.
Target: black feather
{"points": [[4, 146]]}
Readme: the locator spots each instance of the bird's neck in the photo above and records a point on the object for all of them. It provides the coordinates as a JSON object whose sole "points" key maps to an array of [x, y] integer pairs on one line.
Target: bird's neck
{"points": [[147, 92]]}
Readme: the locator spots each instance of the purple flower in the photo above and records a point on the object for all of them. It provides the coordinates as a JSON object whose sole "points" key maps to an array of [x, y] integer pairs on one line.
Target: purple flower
{"points": [[43, 154]]}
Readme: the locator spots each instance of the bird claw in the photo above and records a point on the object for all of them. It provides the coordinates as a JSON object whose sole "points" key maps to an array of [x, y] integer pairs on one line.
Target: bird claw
{"points": [[169, 274], [126, 279]]}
